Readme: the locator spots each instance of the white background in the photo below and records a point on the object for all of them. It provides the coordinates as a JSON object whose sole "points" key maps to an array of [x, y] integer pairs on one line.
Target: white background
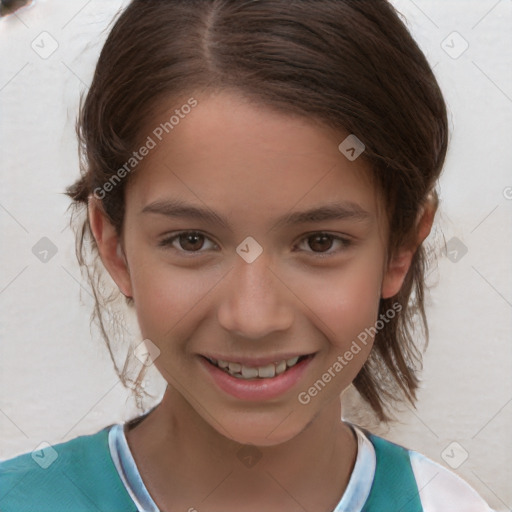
{"points": [[56, 378]]}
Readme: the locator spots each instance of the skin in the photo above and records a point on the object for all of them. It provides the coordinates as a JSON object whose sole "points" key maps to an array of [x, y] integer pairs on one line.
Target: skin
{"points": [[251, 165]]}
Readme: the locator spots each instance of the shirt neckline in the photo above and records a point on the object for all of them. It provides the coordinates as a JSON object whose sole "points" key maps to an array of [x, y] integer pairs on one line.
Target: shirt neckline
{"points": [[353, 499]]}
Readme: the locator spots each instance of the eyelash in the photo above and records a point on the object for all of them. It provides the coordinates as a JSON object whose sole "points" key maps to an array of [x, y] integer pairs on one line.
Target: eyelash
{"points": [[345, 242]]}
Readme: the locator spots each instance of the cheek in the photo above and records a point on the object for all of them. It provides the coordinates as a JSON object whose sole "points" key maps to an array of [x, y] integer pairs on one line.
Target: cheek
{"points": [[165, 298], [345, 303], [343, 308]]}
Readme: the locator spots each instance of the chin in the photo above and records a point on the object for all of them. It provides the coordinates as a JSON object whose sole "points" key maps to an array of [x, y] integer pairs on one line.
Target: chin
{"points": [[272, 432]]}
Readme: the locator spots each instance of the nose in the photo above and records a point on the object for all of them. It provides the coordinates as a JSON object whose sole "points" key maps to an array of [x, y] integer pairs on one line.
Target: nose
{"points": [[255, 303]]}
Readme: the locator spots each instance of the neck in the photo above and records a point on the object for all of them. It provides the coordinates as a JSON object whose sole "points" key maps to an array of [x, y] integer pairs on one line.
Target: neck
{"points": [[181, 454]]}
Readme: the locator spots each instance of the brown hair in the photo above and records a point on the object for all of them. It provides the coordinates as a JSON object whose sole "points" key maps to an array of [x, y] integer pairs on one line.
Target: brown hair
{"points": [[351, 64]]}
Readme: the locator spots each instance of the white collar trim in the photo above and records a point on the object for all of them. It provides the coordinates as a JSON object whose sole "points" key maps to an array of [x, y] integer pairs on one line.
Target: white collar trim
{"points": [[353, 500]]}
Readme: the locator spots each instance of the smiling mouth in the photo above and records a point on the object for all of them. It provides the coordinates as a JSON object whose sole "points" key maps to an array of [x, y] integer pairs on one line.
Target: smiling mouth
{"points": [[268, 371]]}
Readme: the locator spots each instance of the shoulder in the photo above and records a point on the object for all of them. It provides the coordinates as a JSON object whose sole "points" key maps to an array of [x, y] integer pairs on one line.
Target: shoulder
{"points": [[441, 489], [437, 488], [79, 472]]}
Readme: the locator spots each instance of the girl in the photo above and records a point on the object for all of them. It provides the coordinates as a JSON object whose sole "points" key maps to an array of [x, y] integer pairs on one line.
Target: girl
{"points": [[259, 177]]}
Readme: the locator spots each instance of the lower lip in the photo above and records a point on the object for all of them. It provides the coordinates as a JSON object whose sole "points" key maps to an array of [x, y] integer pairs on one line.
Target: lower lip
{"points": [[257, 389]]}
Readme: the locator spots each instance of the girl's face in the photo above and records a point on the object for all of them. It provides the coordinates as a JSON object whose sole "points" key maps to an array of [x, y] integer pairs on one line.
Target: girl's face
{"points": [[252, 278]]}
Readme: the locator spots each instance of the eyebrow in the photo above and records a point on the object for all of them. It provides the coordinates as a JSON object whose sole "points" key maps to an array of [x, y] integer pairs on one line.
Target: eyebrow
{"points": [[345, 210]]}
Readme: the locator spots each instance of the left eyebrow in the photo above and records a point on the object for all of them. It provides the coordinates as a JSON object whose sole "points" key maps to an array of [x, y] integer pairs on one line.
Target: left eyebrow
{"points": [[346, 210]]}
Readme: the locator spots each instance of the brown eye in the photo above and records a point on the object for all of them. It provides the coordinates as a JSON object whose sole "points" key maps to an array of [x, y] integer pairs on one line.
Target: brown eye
{"points": [[320, 244], [191, 241], [186, 242]]}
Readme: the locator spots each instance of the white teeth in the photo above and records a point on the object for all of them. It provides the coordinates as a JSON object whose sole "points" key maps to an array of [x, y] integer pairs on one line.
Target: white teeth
{"points": [[263, 372], [235, 367], [249, 373], [267, 372], [281, 368]]}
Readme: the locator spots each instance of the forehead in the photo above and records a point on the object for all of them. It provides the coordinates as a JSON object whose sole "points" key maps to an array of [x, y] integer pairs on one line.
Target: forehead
{"points": [[228, 152]]}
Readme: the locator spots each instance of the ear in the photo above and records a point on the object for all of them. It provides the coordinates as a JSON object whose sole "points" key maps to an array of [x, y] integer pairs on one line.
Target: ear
{"points": [[109, 246], [399, 265]]}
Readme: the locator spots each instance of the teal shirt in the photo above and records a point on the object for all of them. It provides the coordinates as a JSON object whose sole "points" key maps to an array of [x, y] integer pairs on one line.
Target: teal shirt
{"points": [[83, 478], [97, 472]]}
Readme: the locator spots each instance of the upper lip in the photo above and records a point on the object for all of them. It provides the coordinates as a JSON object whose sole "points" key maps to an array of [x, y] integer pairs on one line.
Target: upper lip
{"points": [[256, 361]]}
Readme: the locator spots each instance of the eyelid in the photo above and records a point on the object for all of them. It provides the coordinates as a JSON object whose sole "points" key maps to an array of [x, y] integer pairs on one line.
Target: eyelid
{"points": [[345, 241], [169, 239]]}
